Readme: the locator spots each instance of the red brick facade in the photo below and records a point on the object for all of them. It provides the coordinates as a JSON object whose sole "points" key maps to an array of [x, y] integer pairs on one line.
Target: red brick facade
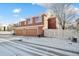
{"points": [[34, 28], [35, 31], [23, 23], [33, 21]]}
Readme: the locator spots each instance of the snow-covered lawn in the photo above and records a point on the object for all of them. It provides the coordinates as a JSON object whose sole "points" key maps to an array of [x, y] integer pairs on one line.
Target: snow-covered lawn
{"points": [[64, 44], [37, 46]]}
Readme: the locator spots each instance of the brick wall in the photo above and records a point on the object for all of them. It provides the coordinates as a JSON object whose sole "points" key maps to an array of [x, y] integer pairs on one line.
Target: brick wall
{"points": [[35, 28], [24, 23], [33, 21], [29, 32]]}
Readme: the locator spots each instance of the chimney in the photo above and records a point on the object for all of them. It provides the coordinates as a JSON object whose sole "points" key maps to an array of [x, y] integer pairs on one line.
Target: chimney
{"points": [[22, 23], [43, 15], [33, 21]]}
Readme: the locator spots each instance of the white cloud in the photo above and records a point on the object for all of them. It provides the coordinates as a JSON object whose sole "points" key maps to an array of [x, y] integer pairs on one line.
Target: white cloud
{"points": [[73, 10], [17, 10]]}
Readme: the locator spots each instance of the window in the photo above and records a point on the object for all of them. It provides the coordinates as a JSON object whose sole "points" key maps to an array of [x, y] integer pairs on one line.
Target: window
{"points": [[38, 19]]}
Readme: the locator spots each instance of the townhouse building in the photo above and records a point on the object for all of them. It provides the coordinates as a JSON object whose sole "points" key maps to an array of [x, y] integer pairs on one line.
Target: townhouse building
{"points": [[35, 26]]}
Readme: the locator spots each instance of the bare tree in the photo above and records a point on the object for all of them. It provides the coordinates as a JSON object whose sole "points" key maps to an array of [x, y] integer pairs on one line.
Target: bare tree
{"points": [[62, 11]]}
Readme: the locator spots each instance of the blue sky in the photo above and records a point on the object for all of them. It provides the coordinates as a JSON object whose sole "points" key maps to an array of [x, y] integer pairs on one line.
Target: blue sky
{"points": [[13, 12], [76, 5]]}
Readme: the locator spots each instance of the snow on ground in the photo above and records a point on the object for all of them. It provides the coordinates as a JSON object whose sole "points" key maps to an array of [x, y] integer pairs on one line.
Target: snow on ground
{"points": [[6, 32], [64, 44], [37, 46]]}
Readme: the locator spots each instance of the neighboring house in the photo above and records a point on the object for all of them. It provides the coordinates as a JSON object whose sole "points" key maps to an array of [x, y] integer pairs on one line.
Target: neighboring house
{"points": [[3, 27], [6, 27]]}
